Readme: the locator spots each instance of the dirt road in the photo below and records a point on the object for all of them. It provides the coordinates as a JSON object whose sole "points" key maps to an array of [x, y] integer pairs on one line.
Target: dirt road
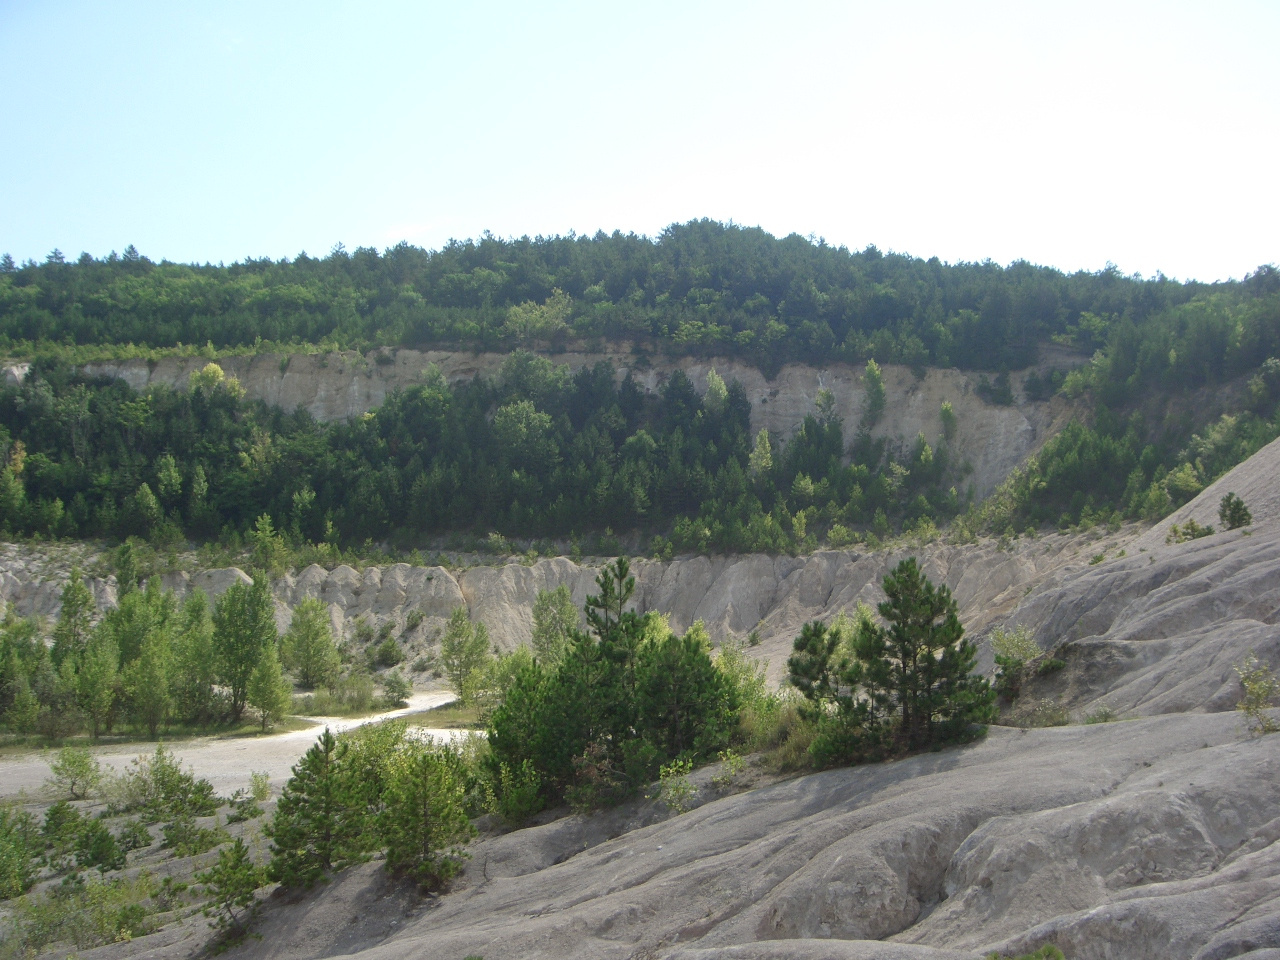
{"points": [[225, 761]]}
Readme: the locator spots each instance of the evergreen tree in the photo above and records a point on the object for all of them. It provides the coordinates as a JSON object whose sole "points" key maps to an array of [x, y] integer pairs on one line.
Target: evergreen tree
{"points": [[315, 825], [243, 626], [1233, 513], [684, 704], [424, 821], [873, 384], [919, 668], [231, 884]]}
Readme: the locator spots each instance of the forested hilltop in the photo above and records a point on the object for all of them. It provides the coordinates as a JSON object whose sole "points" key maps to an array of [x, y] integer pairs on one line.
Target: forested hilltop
{"points": [[700, 286], [542, 452]]}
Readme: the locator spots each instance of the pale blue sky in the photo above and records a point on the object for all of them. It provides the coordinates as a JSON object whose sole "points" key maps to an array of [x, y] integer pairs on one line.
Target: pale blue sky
{"points": [[1070, 134]]}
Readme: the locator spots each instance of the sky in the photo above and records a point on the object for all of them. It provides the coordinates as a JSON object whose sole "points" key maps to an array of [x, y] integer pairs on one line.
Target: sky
{"points": [[1067, 134]]}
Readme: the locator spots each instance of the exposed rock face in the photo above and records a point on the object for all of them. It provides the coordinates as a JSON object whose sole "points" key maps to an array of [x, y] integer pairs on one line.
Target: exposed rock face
{"points": [[1159, 630], [338, 386], [1146, 840]]}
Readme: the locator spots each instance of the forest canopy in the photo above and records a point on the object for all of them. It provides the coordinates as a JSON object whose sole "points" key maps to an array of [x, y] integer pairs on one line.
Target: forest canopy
{"points": [[701, 286]]}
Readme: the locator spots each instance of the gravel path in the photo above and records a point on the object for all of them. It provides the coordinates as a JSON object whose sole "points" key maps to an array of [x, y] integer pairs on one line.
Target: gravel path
{"points": [[225, 761]]}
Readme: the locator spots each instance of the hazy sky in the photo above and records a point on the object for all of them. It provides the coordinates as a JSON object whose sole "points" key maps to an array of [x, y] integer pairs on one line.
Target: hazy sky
{"points": [[1069, 134]]}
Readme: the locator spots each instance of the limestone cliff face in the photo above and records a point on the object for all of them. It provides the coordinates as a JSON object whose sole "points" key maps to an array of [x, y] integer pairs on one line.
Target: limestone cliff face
{"points": [[336, 386]]}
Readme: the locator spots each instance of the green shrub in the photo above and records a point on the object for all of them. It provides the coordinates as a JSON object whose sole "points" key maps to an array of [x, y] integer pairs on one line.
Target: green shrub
{"points": [[75, 772], [1188, 531], [675, 789], [1260, 687], [231, 883], [1049, 665], [396, 690], [83, 914], [1042, 713], [160, 789], [519, 793], [244, 806], [97, 848], [187, 839], [134, 835], [1101, 715], [19, 844], [260, 785], [1232, 513]]}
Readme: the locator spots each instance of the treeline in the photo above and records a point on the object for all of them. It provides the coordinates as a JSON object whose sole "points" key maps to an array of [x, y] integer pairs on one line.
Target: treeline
{"points": [[536, 453], [155, 665], [700, 286]]}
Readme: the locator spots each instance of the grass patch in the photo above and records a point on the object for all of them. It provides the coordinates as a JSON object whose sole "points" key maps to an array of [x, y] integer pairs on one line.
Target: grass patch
{"points": [[452, 716]]}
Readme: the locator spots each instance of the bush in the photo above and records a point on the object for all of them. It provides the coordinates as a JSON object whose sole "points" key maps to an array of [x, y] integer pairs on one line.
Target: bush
{"points": [[674, 788], [396, 690], [187, 839], [75, 772], [1232, 513], [83, 913], [519, 793], [1260, 688], [96, 847], [388, 653], [1188, 531], [160, 789]]}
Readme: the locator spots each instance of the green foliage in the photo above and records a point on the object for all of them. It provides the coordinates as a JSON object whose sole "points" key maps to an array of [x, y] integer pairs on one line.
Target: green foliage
{"points": [[243, 627], [623, 699], [1190, 530], [157, 786], [554, 620], [231, 883], [731, 766], [905, 687], [18, 847], [309, 648], [949, 422], [388, 653], [423, 822], [82, 914], [1232, 513], [96, 848], [873, 384], [268, 692], [315, 827], [518, 794], [1047, 952], [464, 650], [186, 838], [71, 634], [675, 789], [75, 772], [1260, 691], [260, 785], [396, 690]]}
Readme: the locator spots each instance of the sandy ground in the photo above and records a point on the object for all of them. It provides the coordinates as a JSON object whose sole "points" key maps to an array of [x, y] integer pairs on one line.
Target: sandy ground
{"points": [[225, 761]]}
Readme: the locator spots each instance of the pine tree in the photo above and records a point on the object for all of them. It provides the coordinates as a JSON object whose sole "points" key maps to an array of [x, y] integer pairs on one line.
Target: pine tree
{"points": [[231, 884], [315, 826], [424, 821], [684, 703], [919, 668]]}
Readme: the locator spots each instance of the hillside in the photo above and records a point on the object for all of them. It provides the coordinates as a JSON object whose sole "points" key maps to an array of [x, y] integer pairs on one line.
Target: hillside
{"points": [[1153, 837]]}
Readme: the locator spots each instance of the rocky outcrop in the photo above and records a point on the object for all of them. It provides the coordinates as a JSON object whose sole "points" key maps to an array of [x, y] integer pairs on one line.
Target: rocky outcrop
{"points": [[1147, 840], [337, 386], [1160, 629]]}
